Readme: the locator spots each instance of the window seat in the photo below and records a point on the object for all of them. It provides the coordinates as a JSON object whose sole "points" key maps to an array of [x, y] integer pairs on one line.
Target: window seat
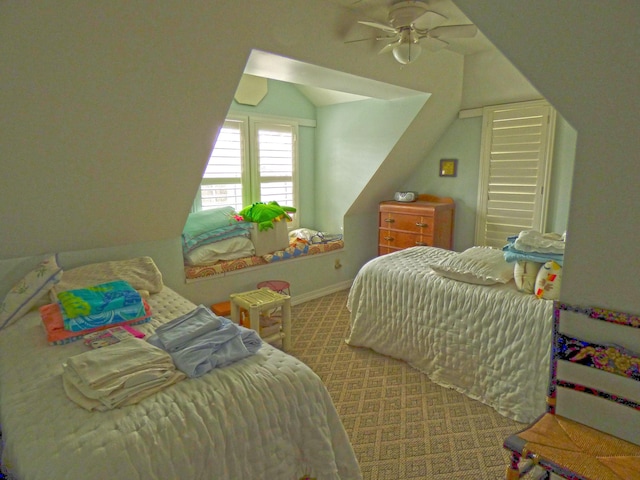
{"points": [[296, 249]]}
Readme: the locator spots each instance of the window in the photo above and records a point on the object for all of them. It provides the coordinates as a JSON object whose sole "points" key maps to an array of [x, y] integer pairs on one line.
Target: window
{"points": [[254, 160]]}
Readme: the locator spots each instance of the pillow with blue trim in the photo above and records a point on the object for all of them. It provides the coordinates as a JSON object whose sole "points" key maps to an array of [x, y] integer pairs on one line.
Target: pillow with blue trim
{"points": [[27, 292]]}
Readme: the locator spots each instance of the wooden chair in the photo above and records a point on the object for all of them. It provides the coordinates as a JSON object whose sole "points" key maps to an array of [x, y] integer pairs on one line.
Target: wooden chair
{"points": [[594, 388]]}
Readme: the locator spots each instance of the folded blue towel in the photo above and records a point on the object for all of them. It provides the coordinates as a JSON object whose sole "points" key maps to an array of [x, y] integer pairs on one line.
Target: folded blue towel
{"points": [[512, 254], [201, 348], [179, 332]]}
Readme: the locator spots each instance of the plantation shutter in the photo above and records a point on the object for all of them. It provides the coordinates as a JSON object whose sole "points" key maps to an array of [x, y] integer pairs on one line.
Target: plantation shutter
{"points": [[222, 179], [517, 142], [273, 173]]}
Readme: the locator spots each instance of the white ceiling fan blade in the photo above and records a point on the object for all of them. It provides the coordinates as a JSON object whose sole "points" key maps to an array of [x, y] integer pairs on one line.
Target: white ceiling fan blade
{"points": [[433, 44], [429, 20], [454, 31], [389, 47], [381, 26]]}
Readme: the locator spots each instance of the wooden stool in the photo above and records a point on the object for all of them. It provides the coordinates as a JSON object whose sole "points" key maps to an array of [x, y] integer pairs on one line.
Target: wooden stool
{"points": [[257, 301], [279, 286]]}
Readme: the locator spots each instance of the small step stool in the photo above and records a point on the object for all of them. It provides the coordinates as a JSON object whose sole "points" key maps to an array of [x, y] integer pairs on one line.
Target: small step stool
{"points": [[280, 286], [257, 301]]}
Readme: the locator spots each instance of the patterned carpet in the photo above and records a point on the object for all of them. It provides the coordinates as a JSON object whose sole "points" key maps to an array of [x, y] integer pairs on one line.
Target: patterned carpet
{"points": [[401, 425]]}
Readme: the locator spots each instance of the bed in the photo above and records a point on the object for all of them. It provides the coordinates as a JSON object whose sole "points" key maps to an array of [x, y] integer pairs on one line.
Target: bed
{"points": [[266, 416], [490, 342]]}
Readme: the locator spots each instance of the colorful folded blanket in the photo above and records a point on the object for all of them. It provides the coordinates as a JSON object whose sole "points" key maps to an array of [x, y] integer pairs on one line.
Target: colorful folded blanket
{"points": [[57, 335], [108, 318], [97, 299]]}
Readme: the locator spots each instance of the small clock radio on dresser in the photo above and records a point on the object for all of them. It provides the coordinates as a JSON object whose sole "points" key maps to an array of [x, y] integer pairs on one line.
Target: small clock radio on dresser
{"points": [[405, 196]]}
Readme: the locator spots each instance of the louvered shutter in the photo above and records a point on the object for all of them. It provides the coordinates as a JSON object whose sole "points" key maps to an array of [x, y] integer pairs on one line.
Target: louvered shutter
{"points": [[222, 179], [515, 166], [274, 172]]}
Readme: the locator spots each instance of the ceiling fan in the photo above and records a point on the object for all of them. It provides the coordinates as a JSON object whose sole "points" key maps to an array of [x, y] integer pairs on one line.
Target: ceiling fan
{"points": [[411, 25]]}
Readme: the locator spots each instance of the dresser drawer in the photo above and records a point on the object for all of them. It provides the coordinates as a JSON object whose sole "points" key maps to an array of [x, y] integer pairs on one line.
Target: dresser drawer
{"points": [[425, 222], [400, 240], [410, 223]]}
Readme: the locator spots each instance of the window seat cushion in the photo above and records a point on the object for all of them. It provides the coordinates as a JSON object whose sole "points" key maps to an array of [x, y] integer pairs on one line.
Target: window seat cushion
{"points": [[293, 251]]}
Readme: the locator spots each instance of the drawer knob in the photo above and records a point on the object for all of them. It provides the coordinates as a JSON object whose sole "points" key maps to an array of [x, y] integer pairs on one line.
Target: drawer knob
{"points": [[421, 244], [388, 239], [389, 220], [418, 224]]}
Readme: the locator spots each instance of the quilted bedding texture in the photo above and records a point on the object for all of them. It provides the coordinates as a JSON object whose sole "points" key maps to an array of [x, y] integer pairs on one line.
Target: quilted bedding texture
{"points": [[265, 417], [491, 343]]}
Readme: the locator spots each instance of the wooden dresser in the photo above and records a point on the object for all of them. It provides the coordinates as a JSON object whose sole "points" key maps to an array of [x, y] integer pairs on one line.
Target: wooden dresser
{"points": [[427, 221]]}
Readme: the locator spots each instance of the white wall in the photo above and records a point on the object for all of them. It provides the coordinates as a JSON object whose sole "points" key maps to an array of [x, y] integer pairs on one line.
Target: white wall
{"points": [[107, 125]]}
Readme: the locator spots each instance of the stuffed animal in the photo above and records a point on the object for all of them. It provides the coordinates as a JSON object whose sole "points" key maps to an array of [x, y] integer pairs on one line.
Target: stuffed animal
{"points": [[264, 214]]}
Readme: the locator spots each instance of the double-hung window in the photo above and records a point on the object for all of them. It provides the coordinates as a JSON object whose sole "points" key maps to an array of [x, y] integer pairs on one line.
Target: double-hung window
{"points": [[254, 160]]}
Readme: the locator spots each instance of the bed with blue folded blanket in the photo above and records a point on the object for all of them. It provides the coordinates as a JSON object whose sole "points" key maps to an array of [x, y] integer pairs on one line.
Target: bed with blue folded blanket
{"points": [[198, 398]]}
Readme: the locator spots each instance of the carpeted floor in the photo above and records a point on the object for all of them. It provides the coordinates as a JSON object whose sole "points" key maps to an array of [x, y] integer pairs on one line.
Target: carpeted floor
{"points": [[401, 425]]}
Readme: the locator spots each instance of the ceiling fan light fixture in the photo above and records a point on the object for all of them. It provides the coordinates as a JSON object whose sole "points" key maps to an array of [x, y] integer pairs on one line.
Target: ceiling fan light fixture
{"points": [[407, 52]]}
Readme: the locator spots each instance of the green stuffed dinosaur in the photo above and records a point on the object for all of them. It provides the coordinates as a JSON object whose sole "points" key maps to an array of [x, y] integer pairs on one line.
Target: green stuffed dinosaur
{"points": [[264, 214]]}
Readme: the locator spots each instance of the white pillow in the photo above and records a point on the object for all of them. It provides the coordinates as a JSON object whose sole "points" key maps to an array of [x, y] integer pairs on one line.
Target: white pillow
{"points": [[229, 249], [25, 294], [478, 265], [141, 272], [525, 274], [548, 281]]}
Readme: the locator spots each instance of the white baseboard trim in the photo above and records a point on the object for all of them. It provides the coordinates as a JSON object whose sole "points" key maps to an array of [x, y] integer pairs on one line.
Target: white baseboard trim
{"points": [[305, 297]]}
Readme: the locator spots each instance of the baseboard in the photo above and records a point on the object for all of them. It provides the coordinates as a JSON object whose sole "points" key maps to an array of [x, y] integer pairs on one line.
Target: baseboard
{"points": [[305, 297]]}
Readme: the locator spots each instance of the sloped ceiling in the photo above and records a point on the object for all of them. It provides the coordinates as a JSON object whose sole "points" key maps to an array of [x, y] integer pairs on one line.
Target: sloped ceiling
{"points": [[110, 109]]}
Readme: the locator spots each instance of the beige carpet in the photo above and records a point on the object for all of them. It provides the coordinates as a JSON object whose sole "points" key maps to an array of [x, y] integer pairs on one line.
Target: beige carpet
{"points": [[401, 425]]}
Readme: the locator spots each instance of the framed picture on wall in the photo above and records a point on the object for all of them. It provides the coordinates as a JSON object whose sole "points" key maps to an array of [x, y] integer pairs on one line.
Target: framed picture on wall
{"points": [[448, 167]]}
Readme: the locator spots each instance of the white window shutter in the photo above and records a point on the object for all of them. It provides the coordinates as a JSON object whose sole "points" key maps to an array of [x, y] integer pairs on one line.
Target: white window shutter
{"points": [[222, 179], [517, 144]]}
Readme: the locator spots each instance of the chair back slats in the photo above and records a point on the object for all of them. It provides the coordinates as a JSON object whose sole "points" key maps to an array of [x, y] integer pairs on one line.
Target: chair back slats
{"points": [[595, 369]]}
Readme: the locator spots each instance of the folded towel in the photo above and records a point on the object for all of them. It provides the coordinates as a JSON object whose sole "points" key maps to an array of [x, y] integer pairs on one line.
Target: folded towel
{"points": [[209, 349], [106, 318], [179, 332], [118, 374], [97, 299], [534, 241], [57, 335], [202, 357]]}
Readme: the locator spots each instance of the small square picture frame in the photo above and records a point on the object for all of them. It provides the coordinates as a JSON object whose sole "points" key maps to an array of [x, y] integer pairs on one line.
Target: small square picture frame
{"points": [[448, 167]]}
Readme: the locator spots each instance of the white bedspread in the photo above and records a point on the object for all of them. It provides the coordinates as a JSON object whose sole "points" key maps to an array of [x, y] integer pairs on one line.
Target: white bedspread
{"points": [[267, 416], [491, 343]]}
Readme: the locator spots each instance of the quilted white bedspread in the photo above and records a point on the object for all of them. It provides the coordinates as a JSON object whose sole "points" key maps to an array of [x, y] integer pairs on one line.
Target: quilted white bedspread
{"points": [[491, 343], [265, 417]]}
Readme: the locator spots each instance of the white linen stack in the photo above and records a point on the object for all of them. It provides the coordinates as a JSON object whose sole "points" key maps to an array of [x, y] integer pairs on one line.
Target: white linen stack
{"points": [[118, 375]]}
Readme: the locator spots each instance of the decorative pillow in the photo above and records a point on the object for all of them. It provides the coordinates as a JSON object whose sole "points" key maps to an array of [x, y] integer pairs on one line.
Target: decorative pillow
{"points": [[141, 272], [525, 273], [294, 250], [479, 265], [207, 220], [548, 281], [229, 249], [25, 294]]}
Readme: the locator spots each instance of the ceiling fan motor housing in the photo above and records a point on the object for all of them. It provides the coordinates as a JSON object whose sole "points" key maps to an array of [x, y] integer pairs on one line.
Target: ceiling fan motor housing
{"points": [[404, 13]]}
